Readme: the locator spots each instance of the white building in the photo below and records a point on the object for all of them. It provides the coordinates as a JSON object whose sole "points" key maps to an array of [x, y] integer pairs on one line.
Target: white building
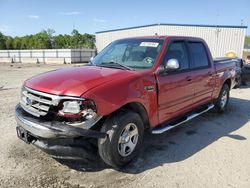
{"points": [[220, 38]]}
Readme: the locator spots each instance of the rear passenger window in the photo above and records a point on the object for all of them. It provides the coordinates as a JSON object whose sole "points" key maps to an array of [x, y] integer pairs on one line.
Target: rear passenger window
{"points": [[198, 54], [177, 50]]}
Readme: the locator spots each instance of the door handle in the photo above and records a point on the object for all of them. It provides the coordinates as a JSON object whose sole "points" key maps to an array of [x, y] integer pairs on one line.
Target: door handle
{"points": [[188, 78]]}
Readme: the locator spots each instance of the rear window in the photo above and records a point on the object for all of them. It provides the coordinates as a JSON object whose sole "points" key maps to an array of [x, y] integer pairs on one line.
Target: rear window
{"points": [[198, 55]]}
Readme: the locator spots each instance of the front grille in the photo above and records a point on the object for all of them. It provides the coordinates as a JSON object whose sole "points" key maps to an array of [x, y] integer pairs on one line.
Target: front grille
{"points": [[35, 103]]}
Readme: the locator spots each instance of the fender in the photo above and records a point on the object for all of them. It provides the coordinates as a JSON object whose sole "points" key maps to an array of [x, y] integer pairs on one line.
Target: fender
{"points": [[140, 88], [224, 75]]}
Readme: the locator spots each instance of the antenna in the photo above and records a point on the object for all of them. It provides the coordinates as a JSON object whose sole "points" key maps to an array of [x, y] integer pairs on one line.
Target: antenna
{"points": [[217, 18]]}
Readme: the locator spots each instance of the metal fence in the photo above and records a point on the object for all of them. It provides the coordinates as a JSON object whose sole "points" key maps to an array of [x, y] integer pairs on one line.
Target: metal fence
{"points": [[47, 56]]}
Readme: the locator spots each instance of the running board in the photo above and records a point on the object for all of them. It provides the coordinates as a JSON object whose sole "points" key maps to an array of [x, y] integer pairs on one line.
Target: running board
{"points": [[159, 130]]}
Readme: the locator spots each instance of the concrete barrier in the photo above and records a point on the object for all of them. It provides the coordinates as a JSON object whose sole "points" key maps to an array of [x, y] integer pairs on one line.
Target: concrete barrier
{"points": [[28, 60], [58, 60], [5, 60], [47, 56]]}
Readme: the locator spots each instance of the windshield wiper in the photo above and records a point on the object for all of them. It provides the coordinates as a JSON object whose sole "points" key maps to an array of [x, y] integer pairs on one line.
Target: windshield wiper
{"points": [[116, 63]]}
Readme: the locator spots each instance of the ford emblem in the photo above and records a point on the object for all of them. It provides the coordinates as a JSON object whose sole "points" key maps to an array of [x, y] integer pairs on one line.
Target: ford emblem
{"points": [[29, 101]]}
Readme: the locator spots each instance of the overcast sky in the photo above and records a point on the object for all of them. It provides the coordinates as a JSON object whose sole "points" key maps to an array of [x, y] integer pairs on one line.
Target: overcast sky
{"points": [[22, 17]]}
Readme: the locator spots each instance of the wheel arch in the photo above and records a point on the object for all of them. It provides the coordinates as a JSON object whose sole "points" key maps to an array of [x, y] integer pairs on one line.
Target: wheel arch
{"points": [[228, 82], [140, 109]]}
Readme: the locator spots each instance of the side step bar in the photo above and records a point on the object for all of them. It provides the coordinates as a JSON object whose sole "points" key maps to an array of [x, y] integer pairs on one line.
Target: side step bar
{"points": [[167, 127]]}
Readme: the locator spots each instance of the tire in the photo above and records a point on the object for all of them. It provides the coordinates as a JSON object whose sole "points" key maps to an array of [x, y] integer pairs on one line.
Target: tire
{"points": [[222, 101], [125, 135]]}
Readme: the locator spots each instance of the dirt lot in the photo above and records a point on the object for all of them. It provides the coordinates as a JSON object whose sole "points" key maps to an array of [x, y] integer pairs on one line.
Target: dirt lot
{"points": [[210, 151]]}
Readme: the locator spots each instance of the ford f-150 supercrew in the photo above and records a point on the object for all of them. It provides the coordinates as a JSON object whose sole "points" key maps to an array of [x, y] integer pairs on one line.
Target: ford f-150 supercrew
{"points": [[150, 83]]}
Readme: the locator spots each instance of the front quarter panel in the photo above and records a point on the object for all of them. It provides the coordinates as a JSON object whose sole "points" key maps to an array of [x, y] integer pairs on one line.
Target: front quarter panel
{"points": [[112, 96]]}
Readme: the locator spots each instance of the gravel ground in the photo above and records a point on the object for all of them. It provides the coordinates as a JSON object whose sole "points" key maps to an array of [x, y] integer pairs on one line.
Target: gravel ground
{"points": [[212, 150]]}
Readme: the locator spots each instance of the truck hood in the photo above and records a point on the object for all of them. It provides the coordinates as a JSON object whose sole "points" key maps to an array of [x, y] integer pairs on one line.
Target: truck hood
{"points": [[75, 81]]}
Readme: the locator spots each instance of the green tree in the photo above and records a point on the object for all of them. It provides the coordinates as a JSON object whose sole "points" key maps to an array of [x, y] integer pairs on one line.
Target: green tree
{"points": [[247, 42], [9, 43], [2, 42], [89, 41], [50, 33], [47, 40], [59, 41], [76, 39], [17, 43], [24, 42], [42, 40]]}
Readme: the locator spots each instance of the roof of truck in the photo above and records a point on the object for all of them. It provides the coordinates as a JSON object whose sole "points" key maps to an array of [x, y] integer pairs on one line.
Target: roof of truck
{"points": [[161, 37]]}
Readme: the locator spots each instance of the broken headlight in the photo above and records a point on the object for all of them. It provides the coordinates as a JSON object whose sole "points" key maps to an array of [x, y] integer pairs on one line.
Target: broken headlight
{"points": [[81, 113], [72, 107]]}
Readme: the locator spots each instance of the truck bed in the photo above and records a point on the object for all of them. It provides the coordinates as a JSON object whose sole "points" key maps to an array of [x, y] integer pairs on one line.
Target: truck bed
{"points": [[224, 64]]}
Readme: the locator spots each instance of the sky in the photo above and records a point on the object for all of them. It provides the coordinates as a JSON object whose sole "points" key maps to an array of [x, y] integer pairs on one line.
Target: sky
{"points": [[23, 17]]}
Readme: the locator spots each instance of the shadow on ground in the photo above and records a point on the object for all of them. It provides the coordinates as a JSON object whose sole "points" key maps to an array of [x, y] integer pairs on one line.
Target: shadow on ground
{"points": [[180, 143]]}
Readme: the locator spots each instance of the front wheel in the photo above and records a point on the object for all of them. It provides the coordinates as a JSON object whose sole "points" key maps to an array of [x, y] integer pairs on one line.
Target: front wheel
{"points": [[125, 135], [222, 101]]}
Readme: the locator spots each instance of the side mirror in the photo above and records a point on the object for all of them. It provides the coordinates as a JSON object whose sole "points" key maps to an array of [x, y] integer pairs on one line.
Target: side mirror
{"points": [[91, 59], [172, 64]]}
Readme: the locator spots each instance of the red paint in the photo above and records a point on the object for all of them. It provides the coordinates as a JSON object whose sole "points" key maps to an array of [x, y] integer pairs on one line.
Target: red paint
{"points": [[76, 80], [113, 88]]}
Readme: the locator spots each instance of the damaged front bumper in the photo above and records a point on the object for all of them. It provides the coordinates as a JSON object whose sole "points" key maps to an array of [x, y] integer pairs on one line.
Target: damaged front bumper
{"points": [[28, 125], [48, 135]]}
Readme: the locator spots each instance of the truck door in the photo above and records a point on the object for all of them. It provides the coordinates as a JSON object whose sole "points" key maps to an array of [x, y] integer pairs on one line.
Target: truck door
{"points": [[203, 73], [176, 89]]}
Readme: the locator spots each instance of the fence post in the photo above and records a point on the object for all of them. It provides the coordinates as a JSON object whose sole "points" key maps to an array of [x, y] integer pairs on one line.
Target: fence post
{"points": [[80, 56], [43, 57], [19, 54]]}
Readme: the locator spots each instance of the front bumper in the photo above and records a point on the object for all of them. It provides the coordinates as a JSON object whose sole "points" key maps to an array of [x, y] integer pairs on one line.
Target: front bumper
{"points": [[40, 129]]}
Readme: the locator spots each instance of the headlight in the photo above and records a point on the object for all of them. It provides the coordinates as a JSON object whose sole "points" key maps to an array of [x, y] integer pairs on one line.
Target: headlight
{"points": [[79, 113], [78, 109], [71, 107]]}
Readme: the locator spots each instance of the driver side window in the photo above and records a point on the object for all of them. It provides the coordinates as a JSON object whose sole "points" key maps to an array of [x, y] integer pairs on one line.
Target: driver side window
{"points": [[177, 50]]}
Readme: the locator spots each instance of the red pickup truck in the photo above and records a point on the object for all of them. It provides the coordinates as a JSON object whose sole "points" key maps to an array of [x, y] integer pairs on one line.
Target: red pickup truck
{"points": [[150, 83]]}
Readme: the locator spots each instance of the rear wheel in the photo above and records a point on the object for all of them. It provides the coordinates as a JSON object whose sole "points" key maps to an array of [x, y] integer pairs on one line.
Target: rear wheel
{"points": [[222, 101], [125, 134]]}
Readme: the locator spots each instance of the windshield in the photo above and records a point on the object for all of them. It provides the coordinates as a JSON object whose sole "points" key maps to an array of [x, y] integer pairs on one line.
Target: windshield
{"points": [[129, 54]]}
